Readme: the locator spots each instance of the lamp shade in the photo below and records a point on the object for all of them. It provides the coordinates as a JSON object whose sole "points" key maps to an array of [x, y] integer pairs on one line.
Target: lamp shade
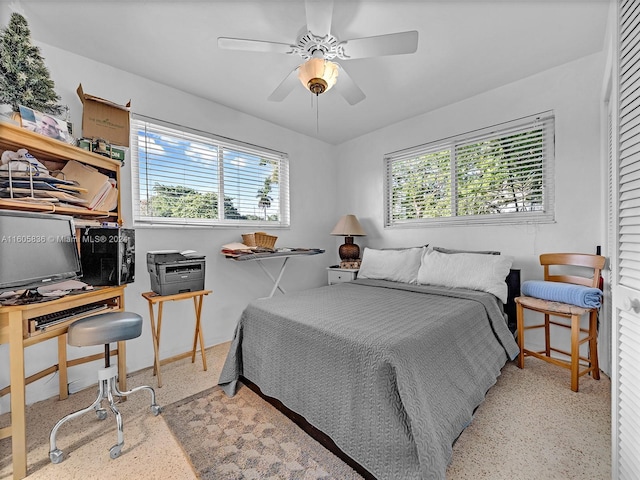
{"points": [[348, 226], [318, 75]]}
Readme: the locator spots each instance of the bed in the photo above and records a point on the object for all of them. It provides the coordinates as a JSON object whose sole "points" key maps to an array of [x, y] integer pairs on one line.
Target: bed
{"points": [[391, 371]]}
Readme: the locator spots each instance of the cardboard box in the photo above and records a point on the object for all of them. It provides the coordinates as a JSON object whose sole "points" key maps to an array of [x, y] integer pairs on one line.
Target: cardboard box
{"points": [[104, 119]]}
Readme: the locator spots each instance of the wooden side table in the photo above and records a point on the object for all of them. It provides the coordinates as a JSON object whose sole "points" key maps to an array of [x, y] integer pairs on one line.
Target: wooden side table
{"points": [[154, 298]]}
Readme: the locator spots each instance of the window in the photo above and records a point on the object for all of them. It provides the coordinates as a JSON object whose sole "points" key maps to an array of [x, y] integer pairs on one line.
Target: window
{"points": [[187, 177], [501, 174]]}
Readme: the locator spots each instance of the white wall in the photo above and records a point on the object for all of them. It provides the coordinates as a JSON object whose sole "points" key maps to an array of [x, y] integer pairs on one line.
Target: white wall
{"points": [[234, 284], [574, 93]]}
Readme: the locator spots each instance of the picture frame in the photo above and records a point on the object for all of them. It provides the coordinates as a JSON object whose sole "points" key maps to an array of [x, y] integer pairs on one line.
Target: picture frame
{"points": [[45, 124]]}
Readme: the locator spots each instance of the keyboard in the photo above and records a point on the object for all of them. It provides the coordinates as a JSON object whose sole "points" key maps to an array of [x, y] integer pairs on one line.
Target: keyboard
{"points": [[43, 321]]}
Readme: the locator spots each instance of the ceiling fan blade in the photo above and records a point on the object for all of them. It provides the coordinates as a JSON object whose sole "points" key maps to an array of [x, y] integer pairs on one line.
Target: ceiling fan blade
{"points": [[253, 45], [348, 88], [380, 45], [319, 14], [285, 87]]}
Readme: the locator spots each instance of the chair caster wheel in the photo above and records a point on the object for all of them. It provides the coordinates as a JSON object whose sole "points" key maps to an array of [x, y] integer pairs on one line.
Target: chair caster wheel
{"points": [[156, 409], [56, 456], [114, 452], [101, 414]]}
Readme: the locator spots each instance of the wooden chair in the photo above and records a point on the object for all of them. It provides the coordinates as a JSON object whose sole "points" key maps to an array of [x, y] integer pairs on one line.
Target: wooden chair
{"points": [[557, 262]]}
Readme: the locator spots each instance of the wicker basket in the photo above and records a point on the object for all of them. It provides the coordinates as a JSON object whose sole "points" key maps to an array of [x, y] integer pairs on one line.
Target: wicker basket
{"points": [[249, 239], [259, 239], [265, 240]]}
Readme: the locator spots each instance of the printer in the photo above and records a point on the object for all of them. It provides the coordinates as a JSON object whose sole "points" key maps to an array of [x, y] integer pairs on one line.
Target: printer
{"points": [[174, 272]]}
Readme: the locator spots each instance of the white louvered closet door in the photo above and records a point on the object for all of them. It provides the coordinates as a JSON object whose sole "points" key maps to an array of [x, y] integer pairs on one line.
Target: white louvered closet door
{"points": [[626, 261]]}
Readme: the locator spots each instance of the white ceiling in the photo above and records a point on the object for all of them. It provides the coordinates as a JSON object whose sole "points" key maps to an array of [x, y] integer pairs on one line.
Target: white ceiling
{"points": [[464, 48]]}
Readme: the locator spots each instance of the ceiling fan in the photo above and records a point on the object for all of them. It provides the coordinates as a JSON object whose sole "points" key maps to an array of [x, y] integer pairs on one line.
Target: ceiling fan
{"points": [[318, 46]]}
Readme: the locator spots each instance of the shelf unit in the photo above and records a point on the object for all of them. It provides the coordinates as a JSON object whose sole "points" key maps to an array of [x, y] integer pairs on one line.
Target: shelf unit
{"points": [[54, 154], [16, 322]]}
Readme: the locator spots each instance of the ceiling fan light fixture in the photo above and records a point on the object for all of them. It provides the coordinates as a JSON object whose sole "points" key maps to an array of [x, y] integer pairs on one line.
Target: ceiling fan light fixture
{"points": [[318, 75]]}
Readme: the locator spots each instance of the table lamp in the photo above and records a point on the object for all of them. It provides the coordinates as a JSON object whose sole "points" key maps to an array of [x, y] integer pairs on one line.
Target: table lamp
{"points": [[348, 226]]}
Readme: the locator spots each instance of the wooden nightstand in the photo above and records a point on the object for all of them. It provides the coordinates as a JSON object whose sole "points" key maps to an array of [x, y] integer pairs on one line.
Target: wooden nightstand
{"points": [[340, 275]]}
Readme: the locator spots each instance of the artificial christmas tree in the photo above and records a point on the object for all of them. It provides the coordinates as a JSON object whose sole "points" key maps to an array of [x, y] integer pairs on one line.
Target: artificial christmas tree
{"points": [[24, 78]]}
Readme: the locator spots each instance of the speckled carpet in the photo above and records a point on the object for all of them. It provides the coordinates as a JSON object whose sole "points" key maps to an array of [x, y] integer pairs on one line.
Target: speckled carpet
{"points": [[530, 426]]}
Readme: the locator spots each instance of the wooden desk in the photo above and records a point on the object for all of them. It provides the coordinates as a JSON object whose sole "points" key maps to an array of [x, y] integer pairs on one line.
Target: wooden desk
{"points": [[154, 298], [17, 329]]}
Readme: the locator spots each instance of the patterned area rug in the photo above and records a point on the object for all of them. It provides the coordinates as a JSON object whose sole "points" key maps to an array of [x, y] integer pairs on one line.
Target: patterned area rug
{"points": [[245, 437]]}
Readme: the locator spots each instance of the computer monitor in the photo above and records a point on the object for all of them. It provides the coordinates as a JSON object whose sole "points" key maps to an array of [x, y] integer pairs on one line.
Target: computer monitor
{"points": [[36, 249]]}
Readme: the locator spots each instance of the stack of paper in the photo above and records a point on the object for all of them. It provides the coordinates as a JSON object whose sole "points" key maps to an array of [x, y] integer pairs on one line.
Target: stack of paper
{"points": [[110, 200], [101, 192], [235, 249], [23, 186]]}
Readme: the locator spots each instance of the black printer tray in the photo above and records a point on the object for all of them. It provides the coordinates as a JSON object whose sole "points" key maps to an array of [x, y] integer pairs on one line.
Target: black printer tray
{"points": [[183, 268]]}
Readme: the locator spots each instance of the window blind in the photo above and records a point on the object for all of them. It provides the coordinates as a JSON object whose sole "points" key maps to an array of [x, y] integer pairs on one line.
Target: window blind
{"points": [[182, 176], [501, 174]]}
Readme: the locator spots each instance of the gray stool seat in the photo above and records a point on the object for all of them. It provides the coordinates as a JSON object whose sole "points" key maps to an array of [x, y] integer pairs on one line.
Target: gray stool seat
{"points": [[104, 328]]}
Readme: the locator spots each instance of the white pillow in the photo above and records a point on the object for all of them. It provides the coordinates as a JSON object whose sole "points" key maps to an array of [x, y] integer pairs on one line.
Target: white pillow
{"points": [[486, 273], [395, 265]]}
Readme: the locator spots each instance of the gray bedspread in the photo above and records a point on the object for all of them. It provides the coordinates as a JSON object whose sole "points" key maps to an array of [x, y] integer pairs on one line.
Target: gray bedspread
{"points": [[391, 372]]}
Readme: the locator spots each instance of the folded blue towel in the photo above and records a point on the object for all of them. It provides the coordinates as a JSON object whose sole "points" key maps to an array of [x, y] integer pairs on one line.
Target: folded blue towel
{"points": [[563, 292]]}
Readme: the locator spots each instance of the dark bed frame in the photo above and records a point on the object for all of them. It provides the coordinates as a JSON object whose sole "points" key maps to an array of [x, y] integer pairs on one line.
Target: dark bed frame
{"points": [[513, 288]]}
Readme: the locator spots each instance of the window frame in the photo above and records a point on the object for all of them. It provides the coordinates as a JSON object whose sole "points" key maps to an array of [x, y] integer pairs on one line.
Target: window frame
{"points": [[220, 145], [544, 120]]}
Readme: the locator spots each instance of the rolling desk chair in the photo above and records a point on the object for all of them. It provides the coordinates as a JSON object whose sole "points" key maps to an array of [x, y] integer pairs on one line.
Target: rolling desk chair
{"points": [[103, 329]]}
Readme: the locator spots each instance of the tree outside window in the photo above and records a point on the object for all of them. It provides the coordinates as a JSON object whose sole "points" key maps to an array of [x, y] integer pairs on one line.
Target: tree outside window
{"points": [[498, 176]]}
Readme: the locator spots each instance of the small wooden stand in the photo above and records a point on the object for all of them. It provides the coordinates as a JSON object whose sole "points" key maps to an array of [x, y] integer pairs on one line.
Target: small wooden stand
{"points": [[154, 298]]}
